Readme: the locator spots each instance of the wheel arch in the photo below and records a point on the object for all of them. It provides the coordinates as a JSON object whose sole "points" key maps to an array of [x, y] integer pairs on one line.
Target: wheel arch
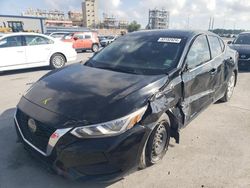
{"points": [[58, 53]]}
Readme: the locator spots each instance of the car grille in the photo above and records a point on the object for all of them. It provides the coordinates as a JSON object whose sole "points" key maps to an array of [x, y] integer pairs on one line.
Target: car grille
{"points": [[244, 56], [40, 137]]}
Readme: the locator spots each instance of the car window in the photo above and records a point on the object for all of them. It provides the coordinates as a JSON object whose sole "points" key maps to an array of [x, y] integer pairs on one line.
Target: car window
{"points": [[199, 52], [14, 41], [222, 44], [37, 40], [87, 37], [79, 36], [127, 54], [215, 46]]}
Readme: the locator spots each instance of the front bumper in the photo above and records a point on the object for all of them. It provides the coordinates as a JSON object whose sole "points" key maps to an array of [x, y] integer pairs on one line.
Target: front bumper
{"points": [[100, 158]]}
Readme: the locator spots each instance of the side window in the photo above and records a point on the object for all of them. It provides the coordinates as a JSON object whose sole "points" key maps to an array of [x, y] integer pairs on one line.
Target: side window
{"points": [[199, 52], [215, 46], [79, 36], [222, 44], [37, 40], [87, 37], [14, 41]]}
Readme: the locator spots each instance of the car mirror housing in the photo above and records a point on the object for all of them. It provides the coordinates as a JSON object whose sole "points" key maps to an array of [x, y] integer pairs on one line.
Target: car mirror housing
{"points": [[75, 38]]}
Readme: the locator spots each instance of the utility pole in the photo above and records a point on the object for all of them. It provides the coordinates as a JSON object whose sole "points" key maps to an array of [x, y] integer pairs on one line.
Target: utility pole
{"points": [[188, 22], [212, 27], [210, 21]]}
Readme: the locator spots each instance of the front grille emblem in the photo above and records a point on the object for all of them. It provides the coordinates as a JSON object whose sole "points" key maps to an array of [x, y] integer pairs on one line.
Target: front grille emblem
{"points": [[32, 125]]}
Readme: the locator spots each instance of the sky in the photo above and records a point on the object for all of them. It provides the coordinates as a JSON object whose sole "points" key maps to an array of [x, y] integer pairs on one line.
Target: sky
{"points": [[184, 14]]}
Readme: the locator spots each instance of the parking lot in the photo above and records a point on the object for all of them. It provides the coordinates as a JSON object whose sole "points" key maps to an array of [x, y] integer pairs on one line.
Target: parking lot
{"points": [[213, 151]]}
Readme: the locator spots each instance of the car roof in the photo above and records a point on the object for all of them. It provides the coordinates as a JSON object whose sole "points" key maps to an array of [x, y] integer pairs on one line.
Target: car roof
{"points": [[25, 33], [174, 33], [245, 33], [22, 33]]}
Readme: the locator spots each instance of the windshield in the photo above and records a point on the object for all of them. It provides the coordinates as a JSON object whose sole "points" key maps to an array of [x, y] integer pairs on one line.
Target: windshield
{"points": [[147, 55], [243, 39]]}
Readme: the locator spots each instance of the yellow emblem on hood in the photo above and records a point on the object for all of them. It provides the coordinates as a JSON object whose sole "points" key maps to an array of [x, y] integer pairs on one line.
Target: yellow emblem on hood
{"points": [[46, 101]]}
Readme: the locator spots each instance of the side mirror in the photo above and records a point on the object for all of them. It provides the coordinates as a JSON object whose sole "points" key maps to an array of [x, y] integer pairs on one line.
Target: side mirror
{"points": [[229, 42], [75, 38]]}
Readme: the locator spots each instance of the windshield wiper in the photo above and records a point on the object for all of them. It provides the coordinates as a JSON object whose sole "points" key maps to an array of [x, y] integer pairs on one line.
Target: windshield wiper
{"points": [[116, 69]]}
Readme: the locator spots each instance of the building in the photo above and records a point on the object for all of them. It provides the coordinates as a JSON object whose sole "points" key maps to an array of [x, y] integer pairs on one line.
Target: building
{"points": [[48, 14], [111, 22], [158, 19], [53, 17], [90, 13], [76, 18], [123, 24], [13, 23]]}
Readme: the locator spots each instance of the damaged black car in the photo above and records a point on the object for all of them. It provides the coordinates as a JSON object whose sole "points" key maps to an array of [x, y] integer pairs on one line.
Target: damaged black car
{"points": [[116, 113]]}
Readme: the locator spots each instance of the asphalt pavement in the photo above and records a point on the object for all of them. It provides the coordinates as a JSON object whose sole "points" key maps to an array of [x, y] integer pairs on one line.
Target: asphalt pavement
{"points": [[213, 151]]}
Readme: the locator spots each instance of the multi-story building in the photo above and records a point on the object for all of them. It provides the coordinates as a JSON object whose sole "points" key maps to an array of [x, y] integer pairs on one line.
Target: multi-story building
{"points": [[52, 17], [158, 19], [76, 18], [90, 13]]}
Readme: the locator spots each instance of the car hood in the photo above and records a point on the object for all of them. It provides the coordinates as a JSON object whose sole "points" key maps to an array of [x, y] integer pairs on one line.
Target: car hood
{"points": [[94, 95], [241, 48]]}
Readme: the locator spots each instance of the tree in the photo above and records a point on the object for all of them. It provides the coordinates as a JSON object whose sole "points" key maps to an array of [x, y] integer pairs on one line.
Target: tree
{"points": [[133, 26]]}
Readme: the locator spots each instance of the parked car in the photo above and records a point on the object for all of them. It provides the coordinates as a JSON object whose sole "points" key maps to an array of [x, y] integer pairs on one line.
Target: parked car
{"points": [[118, 111], [242, 45], [83, 41], [27, 50], [59, 35], [108, 40], [101, 38]]}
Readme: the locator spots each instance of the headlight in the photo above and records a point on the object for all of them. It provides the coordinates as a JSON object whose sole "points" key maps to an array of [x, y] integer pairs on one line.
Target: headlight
{"points": [[110, 128]]}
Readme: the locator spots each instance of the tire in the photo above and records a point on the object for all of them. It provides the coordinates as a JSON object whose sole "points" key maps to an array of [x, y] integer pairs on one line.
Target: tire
{"points": [[57, 61], [156, 146], [95, 48], [230, 89]]}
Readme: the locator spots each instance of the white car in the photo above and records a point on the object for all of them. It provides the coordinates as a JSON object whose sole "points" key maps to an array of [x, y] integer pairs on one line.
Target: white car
{"points": [[26, 50]]}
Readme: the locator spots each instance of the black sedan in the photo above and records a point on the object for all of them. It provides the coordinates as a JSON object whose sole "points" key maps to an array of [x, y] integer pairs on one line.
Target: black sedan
{"points": [[242, 45], [117, 112]]}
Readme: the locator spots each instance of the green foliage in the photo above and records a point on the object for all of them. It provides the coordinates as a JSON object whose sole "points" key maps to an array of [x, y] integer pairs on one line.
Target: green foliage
{"points": [[133, 26], [227, 31]]}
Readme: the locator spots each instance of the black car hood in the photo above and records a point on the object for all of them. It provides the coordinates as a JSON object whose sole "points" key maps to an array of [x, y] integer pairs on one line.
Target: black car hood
{"points": [[93, 95], [245, 49]]}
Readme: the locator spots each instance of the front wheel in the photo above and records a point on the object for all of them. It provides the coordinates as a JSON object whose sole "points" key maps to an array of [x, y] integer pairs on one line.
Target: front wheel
{"points": [[95, 48], [157, 145], [57, 61], [230, 88]]}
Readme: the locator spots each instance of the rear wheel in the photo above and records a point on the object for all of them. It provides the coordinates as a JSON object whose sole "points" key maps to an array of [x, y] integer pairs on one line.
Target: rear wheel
{"points": [[156, 146], [230, 88], [95, 48], [57, 61]]}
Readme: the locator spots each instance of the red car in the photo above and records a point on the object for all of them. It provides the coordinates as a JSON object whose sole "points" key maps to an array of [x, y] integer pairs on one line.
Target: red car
{"points": [[83, 41]]}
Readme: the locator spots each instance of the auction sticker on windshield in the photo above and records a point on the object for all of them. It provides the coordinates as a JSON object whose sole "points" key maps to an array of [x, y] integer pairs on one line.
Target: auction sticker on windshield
{"points": [[170, 40]]}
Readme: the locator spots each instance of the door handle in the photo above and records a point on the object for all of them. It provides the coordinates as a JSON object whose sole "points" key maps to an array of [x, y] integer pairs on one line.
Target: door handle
{"points": [[19, 51], [213, 71]]}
